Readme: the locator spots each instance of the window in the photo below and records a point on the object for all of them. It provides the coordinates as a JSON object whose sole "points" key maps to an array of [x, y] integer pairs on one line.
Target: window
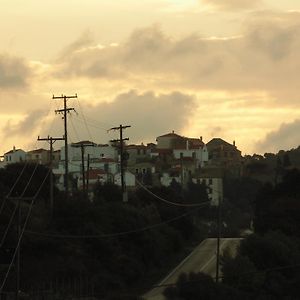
{"points": [[194, 155], [136, 171], [210, 181], [181, 155]]}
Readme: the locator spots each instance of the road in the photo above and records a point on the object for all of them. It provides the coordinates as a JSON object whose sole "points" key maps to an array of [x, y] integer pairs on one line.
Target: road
{"points": [[202, 259]]}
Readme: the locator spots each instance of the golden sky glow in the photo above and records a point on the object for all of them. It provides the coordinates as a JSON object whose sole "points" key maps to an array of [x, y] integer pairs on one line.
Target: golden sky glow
{"points": [[193, 66]]}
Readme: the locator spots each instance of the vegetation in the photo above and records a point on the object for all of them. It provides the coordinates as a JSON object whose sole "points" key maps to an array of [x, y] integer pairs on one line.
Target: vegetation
{"points": [[267, 265], [105, 248]]}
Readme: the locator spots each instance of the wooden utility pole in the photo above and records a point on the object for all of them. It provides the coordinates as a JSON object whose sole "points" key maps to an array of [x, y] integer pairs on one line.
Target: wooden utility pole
{"points": [[65, 112], [51, 140], [87, 175], [121, 140], [219, 224], [82, 145], [18, 257]]}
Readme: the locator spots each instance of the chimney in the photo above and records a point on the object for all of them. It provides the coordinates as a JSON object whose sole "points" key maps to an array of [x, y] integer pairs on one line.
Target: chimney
{"points": [[201, 138], [14, 148], [233, 143], [187, 144]]}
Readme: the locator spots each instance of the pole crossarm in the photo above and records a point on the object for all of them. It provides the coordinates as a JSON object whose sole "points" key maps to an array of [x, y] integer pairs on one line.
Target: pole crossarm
{"points": [[122, 165], [120, 127], [50, 138], [64, 97], [65, 112], [83, 145]]}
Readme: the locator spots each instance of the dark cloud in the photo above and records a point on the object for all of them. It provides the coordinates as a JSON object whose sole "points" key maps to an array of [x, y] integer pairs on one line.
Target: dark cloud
{"points": [[25, 127], [233, 4], [149, 115], [14, 72], [265, 58], [85, 40], [286, 137]]}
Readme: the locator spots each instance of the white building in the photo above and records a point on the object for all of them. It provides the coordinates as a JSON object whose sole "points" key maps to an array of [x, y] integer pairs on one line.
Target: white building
{"points": [[129, 179], [197, 152], [13, 156], [93, 150]]}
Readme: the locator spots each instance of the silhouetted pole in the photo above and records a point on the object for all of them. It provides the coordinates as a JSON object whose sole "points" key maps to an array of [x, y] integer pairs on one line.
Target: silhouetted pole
{"points": [[82, 147], [121, 140], [51, 140], [65, 112], [87, 174], [18, 257], [219, 224]]}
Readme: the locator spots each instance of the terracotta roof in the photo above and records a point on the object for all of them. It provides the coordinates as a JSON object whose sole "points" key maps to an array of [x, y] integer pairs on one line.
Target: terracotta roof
{"points": [[95, 173], [38, 150], [83, 142], [191, 147], [216, 142], [136, 146], [13, 150], [172, 134]]}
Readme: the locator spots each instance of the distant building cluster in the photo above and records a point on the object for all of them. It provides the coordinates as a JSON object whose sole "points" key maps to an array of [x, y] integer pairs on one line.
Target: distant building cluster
{"points": [[173, 158]]}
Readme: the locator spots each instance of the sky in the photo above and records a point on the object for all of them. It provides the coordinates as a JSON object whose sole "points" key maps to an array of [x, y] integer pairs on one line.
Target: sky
{"points": [[209, 68]]}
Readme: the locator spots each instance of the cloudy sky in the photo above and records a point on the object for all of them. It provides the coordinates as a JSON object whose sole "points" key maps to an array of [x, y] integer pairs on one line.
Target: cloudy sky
{"points": [[211, 68]]}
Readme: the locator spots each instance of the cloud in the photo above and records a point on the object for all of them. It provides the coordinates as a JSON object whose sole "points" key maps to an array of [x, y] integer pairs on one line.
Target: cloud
{"points": [[286, 137], [149, 115], [266, 57], [233, 4], [14, 72], [25, 127]]}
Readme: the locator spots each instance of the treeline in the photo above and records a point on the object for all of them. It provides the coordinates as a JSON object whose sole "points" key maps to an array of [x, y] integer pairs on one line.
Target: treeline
{"points": [[103, 248], [267, 264]]}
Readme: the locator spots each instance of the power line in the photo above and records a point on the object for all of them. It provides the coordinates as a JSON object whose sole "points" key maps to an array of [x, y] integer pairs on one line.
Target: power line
{"points": [[22, 232], [169, 202], [65, 112], [122, 157], [122, 233], [15, 209]]}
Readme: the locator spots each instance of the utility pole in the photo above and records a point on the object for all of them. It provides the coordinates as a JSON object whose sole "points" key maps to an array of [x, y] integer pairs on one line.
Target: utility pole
{"points": [[88, 176], [51, 140], [82, 145], [121, 140], [219, 224], [18, 257], [65, 112]]}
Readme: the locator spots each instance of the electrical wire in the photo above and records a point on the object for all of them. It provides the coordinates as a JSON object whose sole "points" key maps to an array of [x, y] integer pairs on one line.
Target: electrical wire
{"points": [[122, 233], [22, 231], [12, 188], [8, 226], [15, 209], [167, 201]]}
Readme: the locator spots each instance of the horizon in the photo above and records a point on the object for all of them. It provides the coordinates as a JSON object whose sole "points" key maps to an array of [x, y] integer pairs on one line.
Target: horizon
{"points": [[197, 67]]}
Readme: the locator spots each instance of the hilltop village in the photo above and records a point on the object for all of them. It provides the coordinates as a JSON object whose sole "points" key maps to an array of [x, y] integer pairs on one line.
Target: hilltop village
{"points": [[173, 158]]}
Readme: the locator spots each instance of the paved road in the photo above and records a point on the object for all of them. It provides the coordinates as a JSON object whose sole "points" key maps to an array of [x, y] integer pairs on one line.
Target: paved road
{"points": [[202, 259]]}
